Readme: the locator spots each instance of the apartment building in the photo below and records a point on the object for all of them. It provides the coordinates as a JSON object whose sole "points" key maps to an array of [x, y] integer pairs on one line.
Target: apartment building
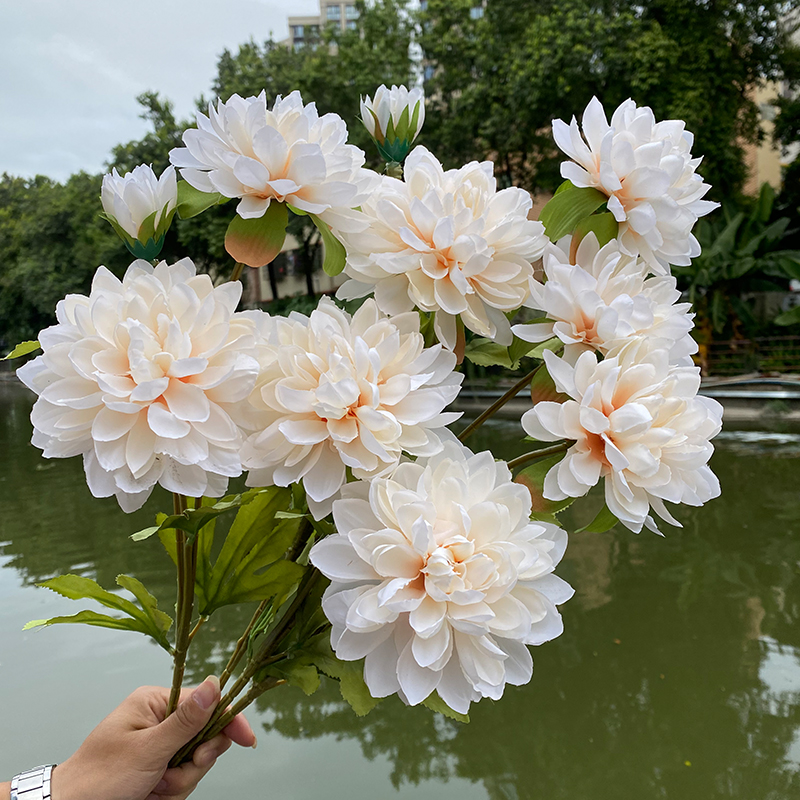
{"points": [[304, 31]]}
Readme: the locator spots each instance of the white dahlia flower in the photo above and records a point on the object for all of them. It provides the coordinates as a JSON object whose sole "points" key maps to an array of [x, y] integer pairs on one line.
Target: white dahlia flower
{"points": [[394, 119], [337, 392], [604, 300], [140, 378], [130, 200], [440, 579], [446, 242], [638, 423], [647, 170], [287, 153]]}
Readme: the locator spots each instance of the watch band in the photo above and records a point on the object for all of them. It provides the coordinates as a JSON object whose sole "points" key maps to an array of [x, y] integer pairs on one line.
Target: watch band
{"points": [[33, 784]]}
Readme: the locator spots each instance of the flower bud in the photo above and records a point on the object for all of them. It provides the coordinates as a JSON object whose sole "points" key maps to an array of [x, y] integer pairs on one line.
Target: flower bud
{"points": [[394, 119], [140, 207]]}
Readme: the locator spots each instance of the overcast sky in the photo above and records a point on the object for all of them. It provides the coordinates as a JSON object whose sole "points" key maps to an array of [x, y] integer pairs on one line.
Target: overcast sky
{"points": [[70, 70]]}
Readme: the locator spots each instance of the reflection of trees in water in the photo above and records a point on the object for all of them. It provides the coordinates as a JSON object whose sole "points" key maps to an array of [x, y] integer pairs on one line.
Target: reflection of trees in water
{"points": [[669, 653], [663, 662]]}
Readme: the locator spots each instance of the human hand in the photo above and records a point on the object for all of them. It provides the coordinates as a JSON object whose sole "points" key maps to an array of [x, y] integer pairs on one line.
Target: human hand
{"points": [[126, 756]]}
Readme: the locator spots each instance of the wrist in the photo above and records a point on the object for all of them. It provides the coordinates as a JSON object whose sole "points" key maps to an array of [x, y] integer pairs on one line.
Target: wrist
{"points": [[5, 791], [63, 782]]}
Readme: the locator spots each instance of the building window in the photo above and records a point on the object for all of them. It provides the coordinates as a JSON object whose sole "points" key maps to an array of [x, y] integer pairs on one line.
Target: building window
{"points": [[333, 13], [297, 31], [476, 12], [350, 11], [352, 25]]}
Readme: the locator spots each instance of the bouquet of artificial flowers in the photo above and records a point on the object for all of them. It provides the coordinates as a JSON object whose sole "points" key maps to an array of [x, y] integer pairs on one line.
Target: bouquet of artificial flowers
{"points": [[373, 545]]}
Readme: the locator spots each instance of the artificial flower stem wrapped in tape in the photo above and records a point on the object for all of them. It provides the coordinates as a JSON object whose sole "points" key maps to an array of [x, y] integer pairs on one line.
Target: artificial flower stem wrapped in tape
{"points": [[375, 548]]}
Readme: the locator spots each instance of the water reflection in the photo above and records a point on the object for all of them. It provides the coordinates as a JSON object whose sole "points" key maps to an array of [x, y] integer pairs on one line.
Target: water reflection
{"points": [[678, 675]]}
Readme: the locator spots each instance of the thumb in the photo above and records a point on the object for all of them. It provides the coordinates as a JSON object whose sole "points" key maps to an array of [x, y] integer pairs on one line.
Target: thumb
{"points": [[189, 717]]}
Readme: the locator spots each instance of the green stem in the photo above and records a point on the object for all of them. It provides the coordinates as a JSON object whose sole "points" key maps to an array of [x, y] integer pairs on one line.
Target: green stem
{"points": [[187, 570], [241, 645], [215, 728], [498, 404], [222, 715], [535, 455], [237, 271]]}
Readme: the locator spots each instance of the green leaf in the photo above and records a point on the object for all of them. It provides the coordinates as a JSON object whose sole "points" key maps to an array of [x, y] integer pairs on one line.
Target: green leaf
{"points": [[604, 521], [124, 235], [435, 703], [486, 353], [89, 618], [553, 344], [335, 254], [256, 242], [517, 350], [249, 566], [161, 621], [296, 673], [193, 519], [192, 202], [147, 230], [147, 619], [567, 208], [791, 317], [145, 533], [22, 349], [532, 478], [603, 226], [563, 188], [349, 674]]}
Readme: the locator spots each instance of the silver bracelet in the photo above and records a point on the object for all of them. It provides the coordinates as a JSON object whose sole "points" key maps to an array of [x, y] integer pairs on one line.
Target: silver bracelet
{"points": [[33, 784]]}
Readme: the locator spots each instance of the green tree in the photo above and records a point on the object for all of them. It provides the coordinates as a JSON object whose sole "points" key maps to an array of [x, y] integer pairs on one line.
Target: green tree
{"points": [[497, 80], [51, 242]]}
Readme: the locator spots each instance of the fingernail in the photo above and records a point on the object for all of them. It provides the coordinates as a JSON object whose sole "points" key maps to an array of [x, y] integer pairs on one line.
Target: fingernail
{"points": [[255, 742], [206, 694], [162, 786]]}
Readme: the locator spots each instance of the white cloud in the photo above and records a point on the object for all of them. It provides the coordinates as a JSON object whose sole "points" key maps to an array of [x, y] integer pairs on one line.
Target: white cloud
{"points": [[71, 69]]}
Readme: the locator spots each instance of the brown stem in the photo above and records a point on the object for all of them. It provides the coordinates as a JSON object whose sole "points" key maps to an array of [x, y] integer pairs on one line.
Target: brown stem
{"points": [[498, 404], [237, 271], [187, 569], [535, 455]]}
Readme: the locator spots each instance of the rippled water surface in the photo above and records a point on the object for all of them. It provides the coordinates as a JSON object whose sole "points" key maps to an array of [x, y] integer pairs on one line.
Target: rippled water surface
{"points": [[678, 675]]}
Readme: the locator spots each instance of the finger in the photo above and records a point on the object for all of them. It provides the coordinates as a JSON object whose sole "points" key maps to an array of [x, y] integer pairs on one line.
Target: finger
{"points": [[209, 752], [191, 715], [240, 732], [179, 782]]}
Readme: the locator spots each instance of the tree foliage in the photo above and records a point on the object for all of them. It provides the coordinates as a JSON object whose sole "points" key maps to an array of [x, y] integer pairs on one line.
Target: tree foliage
{"points": [[499, 79], [495, 80]]}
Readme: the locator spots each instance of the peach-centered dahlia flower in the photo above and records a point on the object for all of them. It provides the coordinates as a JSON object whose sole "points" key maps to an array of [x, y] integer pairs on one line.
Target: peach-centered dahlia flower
{"points": [[440, 579], [446, 242], [336, 392], [647, 170], [139, 378], [637, 422], [604, 301], [287, 153]]}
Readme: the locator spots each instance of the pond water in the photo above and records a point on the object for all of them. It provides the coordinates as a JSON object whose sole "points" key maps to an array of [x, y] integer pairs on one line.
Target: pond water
{"points": [[678, 675]]}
